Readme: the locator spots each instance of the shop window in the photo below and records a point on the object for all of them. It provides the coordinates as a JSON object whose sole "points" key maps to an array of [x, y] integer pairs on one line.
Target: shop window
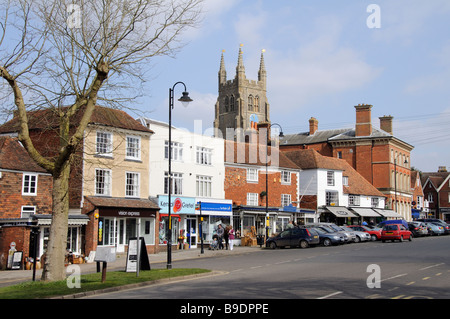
{"points": [[29, 184]]}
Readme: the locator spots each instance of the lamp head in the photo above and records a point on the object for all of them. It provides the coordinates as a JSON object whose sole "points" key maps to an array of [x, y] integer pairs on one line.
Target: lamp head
{"points": [[185, 99]]}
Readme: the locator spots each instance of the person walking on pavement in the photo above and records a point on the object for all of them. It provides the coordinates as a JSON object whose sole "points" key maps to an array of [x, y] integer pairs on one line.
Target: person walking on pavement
{"points": [[231, 236], [220, 233], [225, 236]]}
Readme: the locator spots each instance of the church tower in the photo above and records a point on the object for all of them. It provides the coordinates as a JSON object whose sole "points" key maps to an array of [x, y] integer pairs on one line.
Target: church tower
{"points": [[242, 103]]}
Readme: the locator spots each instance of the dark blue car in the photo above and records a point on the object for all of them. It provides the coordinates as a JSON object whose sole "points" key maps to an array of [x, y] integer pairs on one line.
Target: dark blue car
{"points": [[294, 237], [327, 238]]}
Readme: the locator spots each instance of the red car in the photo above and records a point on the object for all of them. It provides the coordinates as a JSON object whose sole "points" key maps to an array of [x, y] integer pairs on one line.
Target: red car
{"points": [[375, 234], [395, 232]]}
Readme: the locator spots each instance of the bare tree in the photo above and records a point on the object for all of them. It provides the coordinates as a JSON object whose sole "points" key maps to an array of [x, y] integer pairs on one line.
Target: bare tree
{"points": [[67, 55]]}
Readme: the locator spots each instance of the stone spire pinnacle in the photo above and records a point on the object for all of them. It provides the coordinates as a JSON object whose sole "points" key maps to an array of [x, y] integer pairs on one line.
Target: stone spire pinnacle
{"points": [[262, 68], [222, 70], [240, 70]]}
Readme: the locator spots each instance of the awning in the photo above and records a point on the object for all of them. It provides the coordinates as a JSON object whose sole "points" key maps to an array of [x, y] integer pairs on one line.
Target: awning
{"points": [[340, 211], [73, 220], [365, 212], [387, 213]]}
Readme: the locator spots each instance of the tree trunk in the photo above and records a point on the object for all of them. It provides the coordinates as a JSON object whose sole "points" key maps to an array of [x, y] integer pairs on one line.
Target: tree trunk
{"points": [[56, 250]]}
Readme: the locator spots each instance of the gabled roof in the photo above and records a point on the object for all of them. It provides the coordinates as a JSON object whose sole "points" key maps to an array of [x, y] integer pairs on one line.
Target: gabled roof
{"points": [[46, 119], [13, 156], [253, 155], [311, 159], [437, 179]]}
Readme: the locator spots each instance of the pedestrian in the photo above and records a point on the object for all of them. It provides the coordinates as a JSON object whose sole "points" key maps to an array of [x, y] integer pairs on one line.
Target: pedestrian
{"points": [[231, 236], [226, 237], [290, 225], [220, 233]]}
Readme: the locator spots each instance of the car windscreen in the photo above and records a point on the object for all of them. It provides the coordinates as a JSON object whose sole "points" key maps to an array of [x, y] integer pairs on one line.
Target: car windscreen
{"points": [[390, 227]]}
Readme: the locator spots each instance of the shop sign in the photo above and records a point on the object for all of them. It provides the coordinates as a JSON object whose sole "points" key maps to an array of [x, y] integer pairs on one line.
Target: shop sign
{"points": [[216, 207], [179, 204]]}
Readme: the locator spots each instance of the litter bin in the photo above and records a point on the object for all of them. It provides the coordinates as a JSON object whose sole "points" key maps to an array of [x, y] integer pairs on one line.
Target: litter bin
{"points": [[260, 240]]}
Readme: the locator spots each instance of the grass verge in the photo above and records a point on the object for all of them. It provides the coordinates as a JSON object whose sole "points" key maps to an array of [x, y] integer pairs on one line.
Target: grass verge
{"points": [[89, 282]]}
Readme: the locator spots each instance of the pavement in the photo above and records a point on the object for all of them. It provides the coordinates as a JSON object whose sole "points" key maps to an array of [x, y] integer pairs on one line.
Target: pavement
{"points": [[12, 277]]}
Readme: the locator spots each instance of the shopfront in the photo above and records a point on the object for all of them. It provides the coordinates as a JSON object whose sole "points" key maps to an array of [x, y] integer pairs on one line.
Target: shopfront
{"points": [[116, 220], [337, 215], [187, 215]]}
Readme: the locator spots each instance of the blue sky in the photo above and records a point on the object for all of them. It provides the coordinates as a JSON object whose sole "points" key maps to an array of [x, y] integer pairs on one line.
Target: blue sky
{"points": [[322, 59]]}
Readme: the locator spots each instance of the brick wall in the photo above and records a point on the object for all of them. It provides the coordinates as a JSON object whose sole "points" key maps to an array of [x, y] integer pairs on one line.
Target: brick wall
{"points": [[12, 200], [237, 187]]}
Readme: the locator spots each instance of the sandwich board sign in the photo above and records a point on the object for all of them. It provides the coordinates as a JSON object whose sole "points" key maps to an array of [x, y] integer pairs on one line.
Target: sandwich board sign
{"points": [[133, 256]]}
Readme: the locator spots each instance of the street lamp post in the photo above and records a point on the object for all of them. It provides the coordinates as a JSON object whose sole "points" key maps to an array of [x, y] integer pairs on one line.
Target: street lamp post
{"points": [[185, 99], [267, 175]]}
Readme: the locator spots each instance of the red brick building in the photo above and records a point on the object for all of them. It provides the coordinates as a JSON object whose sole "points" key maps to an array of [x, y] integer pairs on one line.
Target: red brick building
{"points": [[25, 197], [436, 190], [246, 181], [383, 159]]}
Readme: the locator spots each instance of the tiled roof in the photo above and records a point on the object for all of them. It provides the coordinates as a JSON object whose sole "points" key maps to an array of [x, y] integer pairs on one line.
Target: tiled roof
{"points": [[311, 159], [48, 118], [253, 155], [122, 202], [436, 178], [13, 156]]}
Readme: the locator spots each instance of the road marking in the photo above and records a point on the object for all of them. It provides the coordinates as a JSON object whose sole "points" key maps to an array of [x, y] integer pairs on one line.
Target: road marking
{"points": [[255, 267], [438, 274], [431, 266], [425, 278], [410, 283], [393, 277], [398, 297], [331, 295]]}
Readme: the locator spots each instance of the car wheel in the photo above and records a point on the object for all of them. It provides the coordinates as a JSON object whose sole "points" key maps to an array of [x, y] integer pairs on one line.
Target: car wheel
{"points": [[273, 245], [357, 239], [401, 239], [303, 244], [383, 241], [327, 242], [410, 238], [373, 237]]}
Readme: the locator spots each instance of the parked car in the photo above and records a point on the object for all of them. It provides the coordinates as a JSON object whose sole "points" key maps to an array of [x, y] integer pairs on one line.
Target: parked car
{"points": [[375, 233], [327, 238], [359, 235], [435, 229], [418, 229], [438, 221], [333, 228], [395, 232], [294, 237], [393, 221]]}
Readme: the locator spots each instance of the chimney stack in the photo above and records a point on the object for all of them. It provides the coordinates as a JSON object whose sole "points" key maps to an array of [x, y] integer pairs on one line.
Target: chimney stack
{"points": [[386, 123], [363, 120], [313, 125]]}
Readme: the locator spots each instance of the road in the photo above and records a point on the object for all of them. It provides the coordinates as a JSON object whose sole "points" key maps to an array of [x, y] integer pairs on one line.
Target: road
{"points": [[373, 270]]}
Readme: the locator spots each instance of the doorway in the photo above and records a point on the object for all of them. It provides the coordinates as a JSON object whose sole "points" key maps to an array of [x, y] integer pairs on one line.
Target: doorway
{"points": [[191, 232]]}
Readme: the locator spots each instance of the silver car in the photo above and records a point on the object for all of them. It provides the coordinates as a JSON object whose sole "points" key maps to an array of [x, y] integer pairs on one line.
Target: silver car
{"points": [[434, 229], [359, 235], [349, 237]]}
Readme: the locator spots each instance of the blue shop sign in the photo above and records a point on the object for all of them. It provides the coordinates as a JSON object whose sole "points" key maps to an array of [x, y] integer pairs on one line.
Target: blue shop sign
{"points": [[216, 207]]}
